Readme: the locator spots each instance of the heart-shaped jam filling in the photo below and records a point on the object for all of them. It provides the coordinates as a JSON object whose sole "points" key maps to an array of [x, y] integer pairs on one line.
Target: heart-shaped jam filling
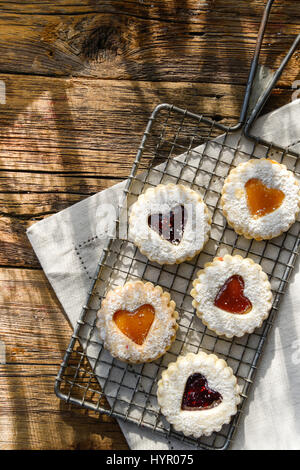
{"points": [[261, 199], [170, 226], [135, 325], [231, 296], [197, 394]]}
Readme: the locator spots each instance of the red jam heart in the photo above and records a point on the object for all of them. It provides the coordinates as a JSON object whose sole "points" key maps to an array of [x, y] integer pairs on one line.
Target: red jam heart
{"points": [[197, 394], [231, 296], [169, 226], [261, 199], [135, 325]]}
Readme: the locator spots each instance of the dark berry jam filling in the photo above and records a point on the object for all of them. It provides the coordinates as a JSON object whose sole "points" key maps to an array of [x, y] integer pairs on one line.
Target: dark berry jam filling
{"points": [[170, 226], [197, 394]]}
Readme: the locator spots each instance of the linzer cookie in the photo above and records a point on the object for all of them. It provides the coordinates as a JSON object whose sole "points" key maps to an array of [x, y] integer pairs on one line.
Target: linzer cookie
{"points": [[198, 394], [169, 223], [232, 295], [260, 199], [137, 322]]}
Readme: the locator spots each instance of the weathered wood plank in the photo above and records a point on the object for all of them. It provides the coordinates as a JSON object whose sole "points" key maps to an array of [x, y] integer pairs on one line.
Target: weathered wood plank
{"points": [[161, 10], [82, 131], [33, 325], [28, 197], [95, 127], [15, 249], [19, 211], [32, 417], [30, 182], [36, 333], [64, 139], [176, 41], [34, 205]]}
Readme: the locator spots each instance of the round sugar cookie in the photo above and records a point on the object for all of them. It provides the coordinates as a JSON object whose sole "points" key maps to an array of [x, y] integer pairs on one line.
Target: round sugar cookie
{"points": [[260, 199], [169, 223]]}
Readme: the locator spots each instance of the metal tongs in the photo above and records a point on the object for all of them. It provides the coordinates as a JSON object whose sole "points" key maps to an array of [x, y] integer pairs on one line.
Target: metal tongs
{"points": [[246, 121]]}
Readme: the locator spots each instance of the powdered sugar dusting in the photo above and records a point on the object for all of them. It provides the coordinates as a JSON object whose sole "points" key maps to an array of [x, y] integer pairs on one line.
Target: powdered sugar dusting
{"points": [[219, 377], [257, 289], [129, 297], [164, 198], [234, 199]]}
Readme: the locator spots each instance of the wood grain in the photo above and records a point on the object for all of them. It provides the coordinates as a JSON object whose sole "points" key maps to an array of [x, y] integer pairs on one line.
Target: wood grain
{"points": [[32, 417], [58, 125], [35, 334], [63, 140], [95, 126], [33, 327], [81, 79], [175, 40]]}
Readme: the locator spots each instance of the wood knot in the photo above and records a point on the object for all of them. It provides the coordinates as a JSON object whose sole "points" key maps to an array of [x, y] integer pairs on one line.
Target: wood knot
{"points": [[103, 41]]}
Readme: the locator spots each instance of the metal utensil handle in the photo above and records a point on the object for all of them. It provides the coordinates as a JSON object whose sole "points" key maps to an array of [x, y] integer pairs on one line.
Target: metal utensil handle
{"points": [[254, 64], [263, 98]]}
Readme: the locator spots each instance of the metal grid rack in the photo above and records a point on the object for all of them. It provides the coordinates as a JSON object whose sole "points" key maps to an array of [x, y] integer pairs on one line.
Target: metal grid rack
{"points": [[183, 148]]}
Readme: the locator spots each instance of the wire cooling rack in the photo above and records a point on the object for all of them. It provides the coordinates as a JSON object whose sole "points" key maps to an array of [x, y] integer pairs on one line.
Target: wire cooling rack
{"points": [[182, 148]]}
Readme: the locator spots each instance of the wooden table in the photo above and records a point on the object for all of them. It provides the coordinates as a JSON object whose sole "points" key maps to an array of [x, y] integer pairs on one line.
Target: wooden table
{"points": [[81, 79]]}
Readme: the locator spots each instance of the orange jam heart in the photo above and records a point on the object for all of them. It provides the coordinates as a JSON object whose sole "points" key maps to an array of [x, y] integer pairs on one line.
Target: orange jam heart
{"points": [[231, 296], [197, 394], [261, 199], [135, 325]]}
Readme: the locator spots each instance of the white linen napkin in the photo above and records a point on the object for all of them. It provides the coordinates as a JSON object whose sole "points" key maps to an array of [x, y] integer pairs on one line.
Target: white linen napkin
{"points": [[272, 414]]}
